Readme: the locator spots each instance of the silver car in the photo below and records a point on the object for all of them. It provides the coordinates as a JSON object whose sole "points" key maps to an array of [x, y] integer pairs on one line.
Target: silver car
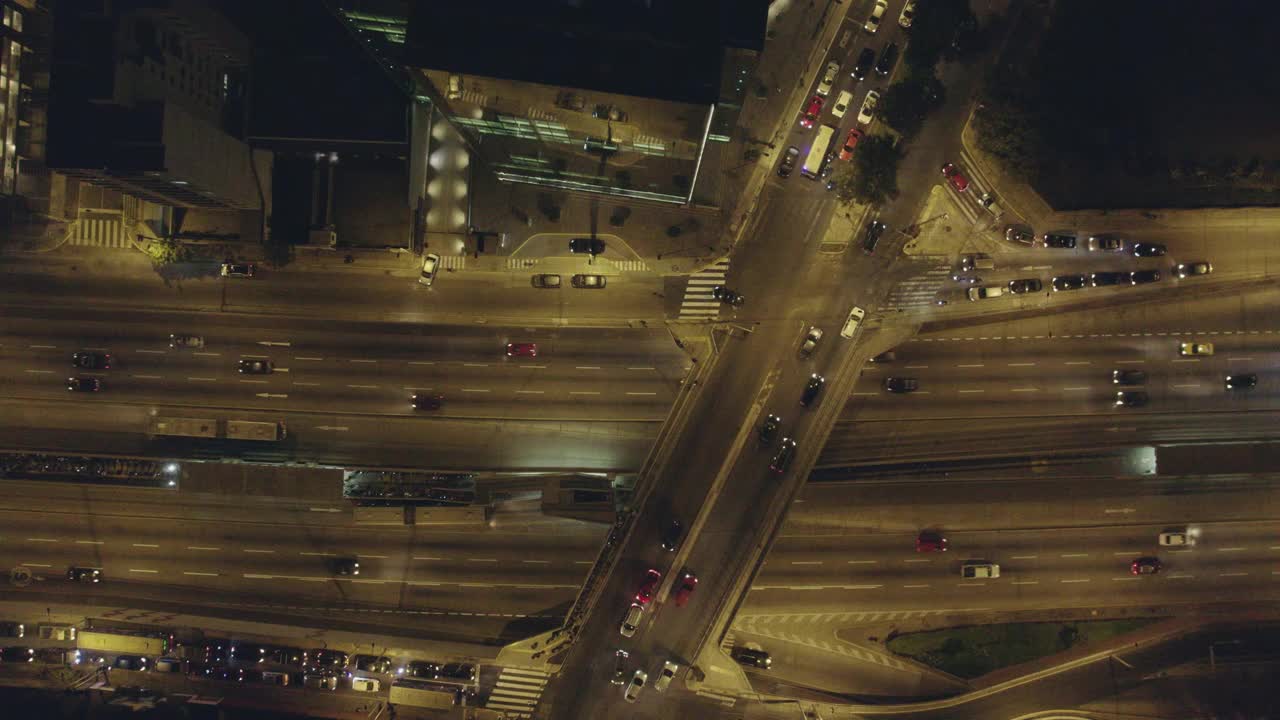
{"points": [[637, 684]]}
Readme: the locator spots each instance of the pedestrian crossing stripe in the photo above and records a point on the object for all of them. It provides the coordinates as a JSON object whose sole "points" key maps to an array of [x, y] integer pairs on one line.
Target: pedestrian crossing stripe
{"points": [[630, 265], [453, 262], [99, 232], [515, 693], [698, 304]]}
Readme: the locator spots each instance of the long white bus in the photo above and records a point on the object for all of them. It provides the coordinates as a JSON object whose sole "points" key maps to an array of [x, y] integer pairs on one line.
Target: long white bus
{"points": [[813, 163]]}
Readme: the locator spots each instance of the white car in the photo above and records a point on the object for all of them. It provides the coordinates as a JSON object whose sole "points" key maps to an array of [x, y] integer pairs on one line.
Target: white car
{"points": [[842, 104], [429, 265], [873, 22], [632, 620], [637, 684], [1190, 348], [979, 570], [829, 78], [851, 323], [669, 670], [908, 14], [868, 109], [985, 292], [1176, 537]]}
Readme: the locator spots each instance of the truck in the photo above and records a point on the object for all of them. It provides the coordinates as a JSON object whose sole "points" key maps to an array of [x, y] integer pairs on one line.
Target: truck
{"points": [[423, 697], [215, 429], [475, 515], [394, 515], [152, 643]]}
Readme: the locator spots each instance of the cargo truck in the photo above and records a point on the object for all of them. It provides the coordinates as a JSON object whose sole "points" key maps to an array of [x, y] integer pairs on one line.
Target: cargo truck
{"points": [[152, 643], [417, 696], [214, 429]]}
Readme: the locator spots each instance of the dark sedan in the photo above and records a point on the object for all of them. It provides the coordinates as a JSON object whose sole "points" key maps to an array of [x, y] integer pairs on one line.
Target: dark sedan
{"points": [[81, 383], [1070, 282], [1241, 382], [1142, 277], [812, 389], [255, 367], [1024, 286], [783, 459], [1148, 249], [588, 246], [1100, 279], [92, 360]]}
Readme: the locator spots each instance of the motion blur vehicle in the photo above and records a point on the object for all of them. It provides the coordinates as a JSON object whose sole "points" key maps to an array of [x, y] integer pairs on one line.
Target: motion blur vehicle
{"points": [[1104, 243], [648, 586], [91, 360], [1176, 537], [688, 582], [783, 459], [1193, 348], [586, 246], [1148, 249], [811, 340], [426, 401], [186, 341], [255, 367], [1131, 398], [522, 350], [955, 177], [769, 429], [1062, 241], [931, 541], [671, 535], [637, 684], [83, 574], [788, 161], [230, 269], [753, 658], [1128, 377], [345, 566], [1070, 282], [1241, 382], [1147, 565], [81, 383], [812, 389], [901, 384], [1189, 269]]}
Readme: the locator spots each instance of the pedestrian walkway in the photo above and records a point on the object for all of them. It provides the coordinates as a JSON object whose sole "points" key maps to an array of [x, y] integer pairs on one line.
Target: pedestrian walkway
{"points": [[516, 692], [453, 262], [99, 232], [920, 290], [630, 265], [698, 304]]}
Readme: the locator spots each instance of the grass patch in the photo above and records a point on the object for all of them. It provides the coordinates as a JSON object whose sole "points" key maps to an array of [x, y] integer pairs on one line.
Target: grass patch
{"points": [[971, 652]]}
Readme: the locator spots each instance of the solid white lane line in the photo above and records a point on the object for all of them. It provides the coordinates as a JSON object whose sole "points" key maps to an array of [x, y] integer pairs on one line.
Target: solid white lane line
{"points": [[1020, 364], [202, 547], [146, 377], [1079, 362], [150, 545], [1084, 580], [583, 392], [364, 387], [89, 542], [299, 357], [260, 552], [641, 368], [356, 360], [151, 352], [201, 574], [806, 562], [1024, 557], [202, 379], [1076, 388], [136, 570], [971, 366], [41, 540], [1230, 549], [530, 392], [642, 393], [479, 390]]}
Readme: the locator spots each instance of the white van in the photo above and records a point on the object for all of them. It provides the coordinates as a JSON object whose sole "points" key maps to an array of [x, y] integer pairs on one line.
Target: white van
{"points": [[429, 265], [366, 684], [851, 324], [979, 570]]}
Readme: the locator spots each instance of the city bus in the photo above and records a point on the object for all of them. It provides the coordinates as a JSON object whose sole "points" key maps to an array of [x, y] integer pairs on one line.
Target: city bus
{"points": [[144, 642], [813, 163]]}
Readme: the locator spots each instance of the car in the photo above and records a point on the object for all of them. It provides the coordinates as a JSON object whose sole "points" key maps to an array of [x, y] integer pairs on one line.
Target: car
{"points": [[829, 78], [620, 660], [955, 177], [648, 585], [1193, 348], [850, 142], [546, 281], [291, 656], [769, 430], [1176, 537], [91, 360], [1104, 243], [1147, 565], [1142, 277], [1020, 234], [900, 385], [637, 684], [250, 653], [215, 651], [185, 341], [887, 356], [754, 658], [12, 629], [671, 535], [230, 269], [931, 541], [984, 292], [130, 662], [1062, 241], [466, 672], [782, 459], [1100, 279], [788, 161], [320, 681], [522, 349], [372, 663], [812, 389], [862, 66], [841, 105], [871, 237], [1241, 382], [1128, 377], [83, 574], [1063, 283], [976, 261], [688, 582], [868, 110], [1188, 269], [430, 264], [966, 279], [586, 246], [979, 570], [588, 282], [908, 14], [851, 323], [422, 669], [811, 340], [811, 112], [888, 57], [727, 296], [873, 22], [320, 658], [631, 620], [82, 383], [170, 664], [344, 566], [1131, 398], [988, 203], [426, 401], [255, 367], [18, 654], [1148, 249], [361, 684], [1025, 286], [665, 676], [224, 673], [827, 168]]}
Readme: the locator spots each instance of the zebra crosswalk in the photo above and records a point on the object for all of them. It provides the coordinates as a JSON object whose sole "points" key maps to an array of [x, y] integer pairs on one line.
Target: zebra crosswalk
{"points": [[515, 694], [698, 304], [99, 232], [921, 290], [630, 265], [453, 262]]}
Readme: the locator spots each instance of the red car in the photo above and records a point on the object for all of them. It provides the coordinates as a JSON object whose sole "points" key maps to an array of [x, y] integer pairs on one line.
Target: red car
{"points": [[688, 581], [850, 142], [955, 177], [647, 588], [811, 112], [930, 541], [522, 349], [1145, 566]]}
